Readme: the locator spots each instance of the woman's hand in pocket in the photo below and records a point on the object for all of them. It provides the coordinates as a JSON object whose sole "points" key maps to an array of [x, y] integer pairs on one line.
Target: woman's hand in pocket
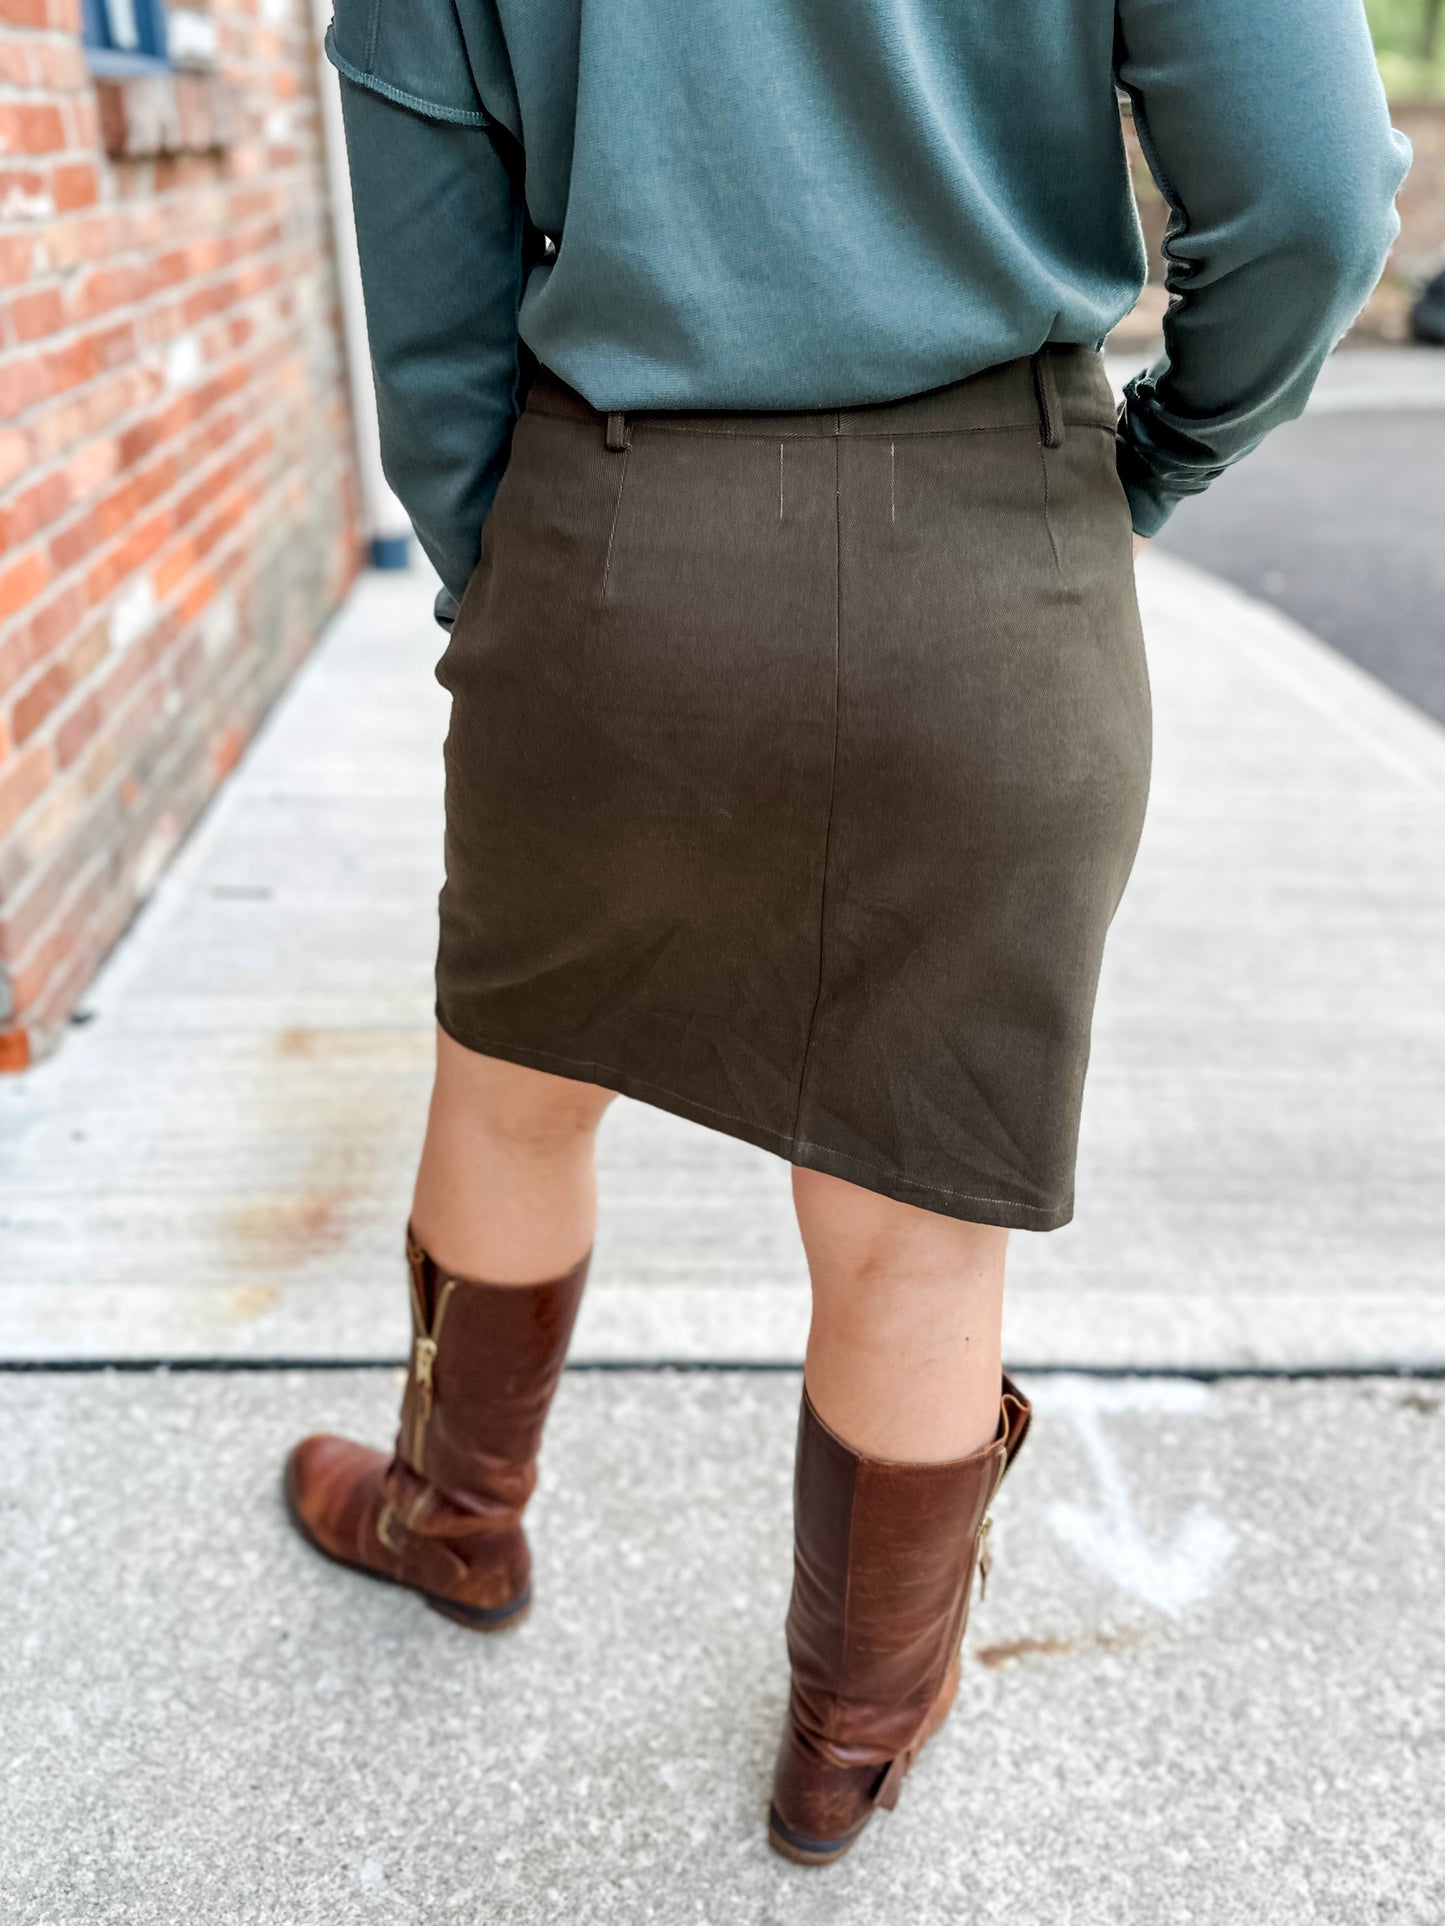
{"points": [[1139, 541]]}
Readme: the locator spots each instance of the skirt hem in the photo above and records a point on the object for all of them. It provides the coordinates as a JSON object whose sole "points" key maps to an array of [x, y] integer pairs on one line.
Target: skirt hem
{"points": [[968, 1207]]}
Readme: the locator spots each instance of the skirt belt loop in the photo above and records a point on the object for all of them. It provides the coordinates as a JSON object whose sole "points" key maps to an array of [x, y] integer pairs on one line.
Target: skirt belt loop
{"points": [[1046, 387], [619, 434]]}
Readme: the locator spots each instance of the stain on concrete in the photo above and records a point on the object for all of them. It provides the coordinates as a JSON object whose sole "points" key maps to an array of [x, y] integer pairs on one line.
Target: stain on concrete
{"points": [[248, 1301], [994, 1656], [288, 1228], [284, 1233], [296, 1043]]}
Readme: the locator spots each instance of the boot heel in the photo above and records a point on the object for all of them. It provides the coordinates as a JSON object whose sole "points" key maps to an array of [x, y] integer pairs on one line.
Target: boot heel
{"points": [[808, 1852]]}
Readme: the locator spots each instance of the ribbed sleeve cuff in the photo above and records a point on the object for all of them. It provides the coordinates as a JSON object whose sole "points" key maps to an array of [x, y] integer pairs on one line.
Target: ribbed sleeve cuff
{"points": [[1151, 503], [1148, 510]]}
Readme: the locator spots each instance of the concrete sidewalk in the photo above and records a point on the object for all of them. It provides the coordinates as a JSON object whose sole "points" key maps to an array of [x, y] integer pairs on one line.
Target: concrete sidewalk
{"points": [[217, 1164], [1206, 1684]]}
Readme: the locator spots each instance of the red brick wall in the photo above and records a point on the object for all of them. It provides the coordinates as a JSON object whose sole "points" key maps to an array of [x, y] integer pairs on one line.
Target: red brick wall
{"points": [[177, 480]]}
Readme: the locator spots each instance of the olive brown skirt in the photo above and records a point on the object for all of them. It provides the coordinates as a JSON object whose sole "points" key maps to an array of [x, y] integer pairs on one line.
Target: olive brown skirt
{"points": [[797, 764]]}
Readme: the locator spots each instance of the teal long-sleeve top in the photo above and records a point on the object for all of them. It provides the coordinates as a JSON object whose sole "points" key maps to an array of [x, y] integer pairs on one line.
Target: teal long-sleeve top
{"points": [[814, 203]]}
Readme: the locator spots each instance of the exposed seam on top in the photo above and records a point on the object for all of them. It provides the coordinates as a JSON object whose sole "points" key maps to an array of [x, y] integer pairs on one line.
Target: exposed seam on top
{"points": [[832, 774], [431, 109], [373, 33]]}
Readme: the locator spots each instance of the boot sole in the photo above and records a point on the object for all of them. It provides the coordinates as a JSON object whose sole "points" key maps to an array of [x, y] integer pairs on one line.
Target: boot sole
{"points": [[476, 1618], [810, 1852]]}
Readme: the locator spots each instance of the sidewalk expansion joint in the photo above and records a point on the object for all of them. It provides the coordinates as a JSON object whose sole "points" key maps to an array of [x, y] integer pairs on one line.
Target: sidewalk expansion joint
{"points": [[743, 1367]]}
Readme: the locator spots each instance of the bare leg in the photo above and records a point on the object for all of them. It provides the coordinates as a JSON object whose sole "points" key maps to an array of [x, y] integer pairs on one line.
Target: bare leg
{"points": [[903, 1356], [507, 1190]]}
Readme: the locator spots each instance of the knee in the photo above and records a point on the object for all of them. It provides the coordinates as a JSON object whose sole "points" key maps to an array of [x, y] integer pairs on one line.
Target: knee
{"points": [[545, 1124], [867, 1248], [856, 1229], [523, 1111]]}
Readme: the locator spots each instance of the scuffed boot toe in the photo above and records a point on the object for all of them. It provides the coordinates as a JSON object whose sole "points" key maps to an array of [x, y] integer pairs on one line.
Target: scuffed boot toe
{"points": [[334, 1494], [368, 1512]]}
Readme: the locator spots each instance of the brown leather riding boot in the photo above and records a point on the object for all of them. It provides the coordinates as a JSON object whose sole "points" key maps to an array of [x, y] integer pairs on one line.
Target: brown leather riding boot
{"points": [[443, 1514], [884, 1561]]}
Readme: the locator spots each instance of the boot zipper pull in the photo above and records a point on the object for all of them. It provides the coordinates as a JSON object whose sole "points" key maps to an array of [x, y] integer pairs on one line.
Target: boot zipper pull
{"points": [[423, 1356], [985, 1555]]}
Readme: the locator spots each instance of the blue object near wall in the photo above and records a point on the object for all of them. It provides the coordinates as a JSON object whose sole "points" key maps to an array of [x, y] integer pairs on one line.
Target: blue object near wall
{"points": [[391, 551]]}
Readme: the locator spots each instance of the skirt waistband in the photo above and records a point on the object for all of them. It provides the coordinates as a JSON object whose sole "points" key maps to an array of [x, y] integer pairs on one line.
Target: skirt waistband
{"points": [[1062, 383]]}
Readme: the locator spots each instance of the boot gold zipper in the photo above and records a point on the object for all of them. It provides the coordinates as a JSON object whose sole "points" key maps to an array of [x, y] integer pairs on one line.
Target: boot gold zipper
{"points": [[424, 1354], [985, 1554], [423, 1361]]}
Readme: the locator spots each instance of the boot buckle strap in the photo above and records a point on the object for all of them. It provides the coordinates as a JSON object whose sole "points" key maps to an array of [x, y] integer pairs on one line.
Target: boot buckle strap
{"points": [[390, 1530], [885, 1793]]}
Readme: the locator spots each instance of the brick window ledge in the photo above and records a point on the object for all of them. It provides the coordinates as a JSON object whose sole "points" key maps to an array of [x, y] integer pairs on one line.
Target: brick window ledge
{"points": [[164, 110]]}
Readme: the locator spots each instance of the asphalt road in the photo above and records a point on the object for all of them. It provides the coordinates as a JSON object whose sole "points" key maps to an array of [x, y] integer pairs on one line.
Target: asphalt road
{"points": [[1339, 520]]}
